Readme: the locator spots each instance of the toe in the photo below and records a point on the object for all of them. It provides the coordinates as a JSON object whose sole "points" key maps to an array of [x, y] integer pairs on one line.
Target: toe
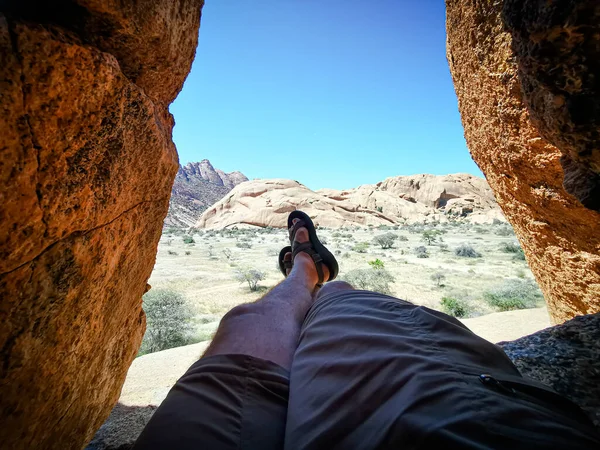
{"points": [[287, 258]]}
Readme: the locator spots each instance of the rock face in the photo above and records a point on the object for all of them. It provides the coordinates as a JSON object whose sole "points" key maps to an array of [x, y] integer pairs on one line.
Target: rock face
{"points": [[415, 198], [566, 358], [87, 166], [198, 186], [559, 234], [557, 48]]}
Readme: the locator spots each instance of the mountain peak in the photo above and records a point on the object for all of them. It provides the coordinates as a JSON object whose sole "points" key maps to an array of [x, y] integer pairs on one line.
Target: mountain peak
{"points": [[197, 186]]}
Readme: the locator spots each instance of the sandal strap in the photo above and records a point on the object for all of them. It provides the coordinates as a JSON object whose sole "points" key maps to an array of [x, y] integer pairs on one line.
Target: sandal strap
{"points": [[292, 232], [306, 247]]}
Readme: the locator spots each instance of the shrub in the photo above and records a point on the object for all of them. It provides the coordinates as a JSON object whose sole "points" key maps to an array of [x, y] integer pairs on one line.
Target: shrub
{"points": [[250, 276], [439, 278], [377, 280], [430, 236], [455, 307], [187, 252], [514, 294], [243, 244], [377, 264], [379, 209], [520, 255], [228, 254], [505, 231], [171, 252], [466, 251], [402, 238], [188, 240], [421, 252], [361, 247], [385, 240], [168, 320], [510, 247]]}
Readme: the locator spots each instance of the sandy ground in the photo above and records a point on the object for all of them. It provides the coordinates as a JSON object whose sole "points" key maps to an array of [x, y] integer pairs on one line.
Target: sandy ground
{"points": [[205, 270]]}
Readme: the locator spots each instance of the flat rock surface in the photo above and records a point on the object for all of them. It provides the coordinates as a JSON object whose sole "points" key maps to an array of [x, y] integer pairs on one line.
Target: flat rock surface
{"points": [[509, 325]]}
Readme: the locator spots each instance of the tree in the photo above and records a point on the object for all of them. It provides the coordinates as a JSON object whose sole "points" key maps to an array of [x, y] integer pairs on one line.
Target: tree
{"points": [[430, 236], [439, 278], [168, 320], [250, 276], [385, 240]]}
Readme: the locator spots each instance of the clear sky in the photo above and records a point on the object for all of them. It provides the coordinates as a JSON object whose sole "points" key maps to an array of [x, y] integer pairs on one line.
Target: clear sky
{"points": [[331, 93]]}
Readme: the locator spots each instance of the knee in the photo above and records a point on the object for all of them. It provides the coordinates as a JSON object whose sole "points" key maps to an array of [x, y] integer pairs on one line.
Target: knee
{"points": [[240, 312], [334, 286]]}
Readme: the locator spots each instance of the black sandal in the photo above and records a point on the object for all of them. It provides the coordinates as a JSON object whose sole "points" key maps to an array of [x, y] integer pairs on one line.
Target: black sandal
{"points": [[314, 248], [283, 264]]}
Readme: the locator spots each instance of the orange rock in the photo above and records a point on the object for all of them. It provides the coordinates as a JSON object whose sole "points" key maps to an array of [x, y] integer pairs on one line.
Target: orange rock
{"points": [[559, 235], [87, 166]]}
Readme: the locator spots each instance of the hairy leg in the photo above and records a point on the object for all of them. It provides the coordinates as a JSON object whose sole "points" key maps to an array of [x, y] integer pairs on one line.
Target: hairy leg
{"points": [[270, 327]]}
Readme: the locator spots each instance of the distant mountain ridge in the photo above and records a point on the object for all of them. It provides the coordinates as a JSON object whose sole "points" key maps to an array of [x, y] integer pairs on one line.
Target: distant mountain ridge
{"points": [[396, 200], [197, 186]]}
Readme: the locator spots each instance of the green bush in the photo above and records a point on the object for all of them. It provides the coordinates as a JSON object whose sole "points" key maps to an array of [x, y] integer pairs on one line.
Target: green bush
{"points": [[188, 240], [250, 276], [385, 240], [377, 264], [514, 294], [455, 307], [466, 251], [361, 247], [168, 320], [402, 238], [520, 255], [377, 280]]}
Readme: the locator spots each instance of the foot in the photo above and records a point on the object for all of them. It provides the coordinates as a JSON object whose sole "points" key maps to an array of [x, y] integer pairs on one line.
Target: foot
{"points": [[304, 262]]}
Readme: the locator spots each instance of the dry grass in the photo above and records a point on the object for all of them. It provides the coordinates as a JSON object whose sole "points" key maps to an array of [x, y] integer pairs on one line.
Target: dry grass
{"points": [[209, 283]]}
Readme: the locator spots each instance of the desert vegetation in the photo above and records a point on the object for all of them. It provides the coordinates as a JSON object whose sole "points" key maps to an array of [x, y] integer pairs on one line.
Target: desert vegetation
{"points": [[459, 268]]}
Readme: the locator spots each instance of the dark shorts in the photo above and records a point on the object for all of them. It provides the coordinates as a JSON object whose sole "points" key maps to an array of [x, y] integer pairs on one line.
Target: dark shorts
{"points": [[370, 371]]}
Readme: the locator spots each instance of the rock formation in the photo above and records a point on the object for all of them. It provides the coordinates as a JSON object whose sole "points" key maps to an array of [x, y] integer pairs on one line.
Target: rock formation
{"points": [[557, 49], [198, 186], [87, 166], [558, 233], [418, 198]]}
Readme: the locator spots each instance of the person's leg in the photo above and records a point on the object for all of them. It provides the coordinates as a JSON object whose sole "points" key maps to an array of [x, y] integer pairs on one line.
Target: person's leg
{"points": [[270, 327], [372, 371], [236, 395]]}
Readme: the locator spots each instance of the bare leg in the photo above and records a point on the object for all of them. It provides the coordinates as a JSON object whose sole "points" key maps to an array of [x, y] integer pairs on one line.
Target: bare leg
{"points": [[270, 327], [334, 286]]}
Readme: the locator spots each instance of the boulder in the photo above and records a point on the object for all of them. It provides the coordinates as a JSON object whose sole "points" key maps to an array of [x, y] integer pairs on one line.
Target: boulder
{"points": [[557, 50], [557, 232], [416, 198], [87, 167], [566, 358]]}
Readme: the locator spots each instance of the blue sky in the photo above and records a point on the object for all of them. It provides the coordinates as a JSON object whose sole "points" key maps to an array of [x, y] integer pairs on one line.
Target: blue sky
{"points": [[330, 93]]}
